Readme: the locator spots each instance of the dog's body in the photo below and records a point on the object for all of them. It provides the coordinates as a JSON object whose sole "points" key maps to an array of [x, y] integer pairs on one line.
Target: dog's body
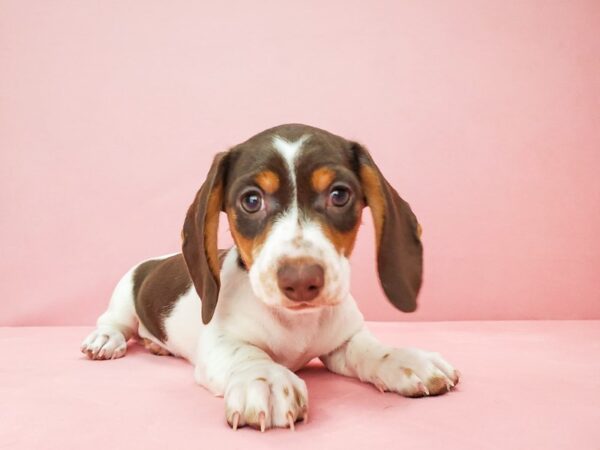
{"points": [[294, 197]]}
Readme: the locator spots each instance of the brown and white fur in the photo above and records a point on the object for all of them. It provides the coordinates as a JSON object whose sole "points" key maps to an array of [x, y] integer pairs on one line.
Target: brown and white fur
{"points": [[280, 297]]}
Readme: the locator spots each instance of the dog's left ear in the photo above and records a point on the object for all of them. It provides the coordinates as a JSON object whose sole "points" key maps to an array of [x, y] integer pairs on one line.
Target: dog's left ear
{"points": [[199, 247], [397, 232]]}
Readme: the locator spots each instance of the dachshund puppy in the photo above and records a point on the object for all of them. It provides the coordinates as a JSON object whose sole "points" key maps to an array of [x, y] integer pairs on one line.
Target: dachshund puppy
{"points": [[294, 196]]}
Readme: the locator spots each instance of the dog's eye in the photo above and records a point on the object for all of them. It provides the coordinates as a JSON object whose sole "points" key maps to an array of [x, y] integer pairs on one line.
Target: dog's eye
{"points": [[252, 201], [339, 196]]}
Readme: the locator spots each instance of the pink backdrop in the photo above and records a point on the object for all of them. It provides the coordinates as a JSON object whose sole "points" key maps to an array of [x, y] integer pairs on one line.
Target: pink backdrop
{"points": [[486, 117]]}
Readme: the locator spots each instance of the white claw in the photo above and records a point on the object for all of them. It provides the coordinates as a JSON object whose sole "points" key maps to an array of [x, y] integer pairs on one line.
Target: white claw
{"points": [[261, 419], [291, 421], [235, 421]]}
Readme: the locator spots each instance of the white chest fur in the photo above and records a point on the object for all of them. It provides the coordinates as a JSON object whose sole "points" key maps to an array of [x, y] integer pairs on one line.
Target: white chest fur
{"points": [[289, 338]]}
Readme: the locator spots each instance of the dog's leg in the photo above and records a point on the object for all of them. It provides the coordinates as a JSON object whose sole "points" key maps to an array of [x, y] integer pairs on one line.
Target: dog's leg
{"points": [[409, 372], [115, 326], [258, 392]]}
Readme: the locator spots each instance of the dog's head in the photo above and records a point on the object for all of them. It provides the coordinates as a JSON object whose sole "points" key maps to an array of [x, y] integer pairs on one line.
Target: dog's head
{"points": [[294, 197]]}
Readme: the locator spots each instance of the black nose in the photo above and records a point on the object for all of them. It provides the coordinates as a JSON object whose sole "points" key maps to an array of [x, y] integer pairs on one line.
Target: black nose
{"points": [[299, 281]]}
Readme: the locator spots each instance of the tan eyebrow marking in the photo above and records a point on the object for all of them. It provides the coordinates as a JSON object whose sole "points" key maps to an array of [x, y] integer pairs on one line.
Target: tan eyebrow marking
{"points": [[322, 178], [268, 181]]}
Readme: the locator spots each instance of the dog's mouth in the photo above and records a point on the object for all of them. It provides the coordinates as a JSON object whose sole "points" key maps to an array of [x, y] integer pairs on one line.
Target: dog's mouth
{"points": [[312, 305], [303, 306]]}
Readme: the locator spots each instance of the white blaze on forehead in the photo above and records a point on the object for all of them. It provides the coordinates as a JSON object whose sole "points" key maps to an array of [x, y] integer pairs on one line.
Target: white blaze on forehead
{"points": [[289, 151]]}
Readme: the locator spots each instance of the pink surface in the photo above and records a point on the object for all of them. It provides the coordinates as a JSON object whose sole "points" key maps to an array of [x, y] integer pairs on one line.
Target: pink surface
{"points": [[483, 114], [525, 385]]}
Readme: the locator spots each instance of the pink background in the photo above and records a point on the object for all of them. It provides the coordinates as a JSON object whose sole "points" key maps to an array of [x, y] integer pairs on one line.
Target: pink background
{"points": [[486, 117]]}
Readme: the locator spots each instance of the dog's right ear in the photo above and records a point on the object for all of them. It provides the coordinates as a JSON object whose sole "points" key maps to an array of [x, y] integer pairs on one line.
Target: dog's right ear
{"points": [[200, 236]]}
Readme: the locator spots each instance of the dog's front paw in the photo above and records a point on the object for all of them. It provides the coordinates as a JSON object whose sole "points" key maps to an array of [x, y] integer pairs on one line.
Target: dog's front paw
{"points": [[415, 373], [104, 343], [265, 395]]}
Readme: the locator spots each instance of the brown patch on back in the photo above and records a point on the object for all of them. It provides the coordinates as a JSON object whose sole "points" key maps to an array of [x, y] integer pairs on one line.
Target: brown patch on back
{"points": [[157, 284], [322, 178], [372, 189], [268, 181], [141, 272]]}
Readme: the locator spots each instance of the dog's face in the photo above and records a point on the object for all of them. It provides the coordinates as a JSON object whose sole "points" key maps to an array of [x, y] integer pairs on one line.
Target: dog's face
{"points": [[294, 205], [294, 196]]}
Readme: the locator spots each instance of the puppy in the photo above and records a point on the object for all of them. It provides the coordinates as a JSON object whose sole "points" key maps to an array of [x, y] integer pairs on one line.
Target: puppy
{"points": [[280, 297]]}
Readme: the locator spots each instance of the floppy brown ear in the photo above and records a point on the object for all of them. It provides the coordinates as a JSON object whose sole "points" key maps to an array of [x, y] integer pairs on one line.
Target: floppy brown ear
{"points": [[397, 232], [200, 236]]}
